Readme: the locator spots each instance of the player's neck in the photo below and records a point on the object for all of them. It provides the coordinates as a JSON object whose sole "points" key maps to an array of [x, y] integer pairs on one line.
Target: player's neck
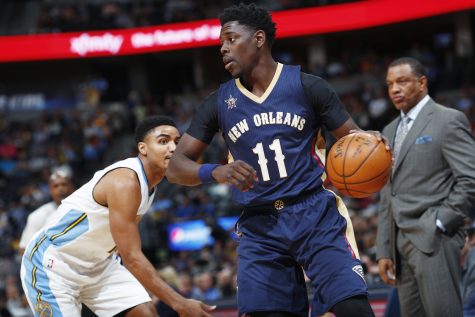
{"points": [[260, 77], [154, 174]]}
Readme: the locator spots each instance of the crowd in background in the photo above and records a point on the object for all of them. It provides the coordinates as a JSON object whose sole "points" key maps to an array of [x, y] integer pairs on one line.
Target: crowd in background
{"points": [[92, 15]]}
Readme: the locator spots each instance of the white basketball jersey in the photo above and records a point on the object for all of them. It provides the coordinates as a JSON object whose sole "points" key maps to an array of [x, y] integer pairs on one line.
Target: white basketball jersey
{"points": [[80, 229]]}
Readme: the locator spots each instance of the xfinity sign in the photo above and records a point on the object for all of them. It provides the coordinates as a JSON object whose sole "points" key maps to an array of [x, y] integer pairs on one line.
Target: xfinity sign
{"points": [[85, 44]]}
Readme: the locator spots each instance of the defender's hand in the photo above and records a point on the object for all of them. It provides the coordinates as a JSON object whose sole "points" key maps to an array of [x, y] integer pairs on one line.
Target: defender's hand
{"points": [[238, 173], [194, 308]]}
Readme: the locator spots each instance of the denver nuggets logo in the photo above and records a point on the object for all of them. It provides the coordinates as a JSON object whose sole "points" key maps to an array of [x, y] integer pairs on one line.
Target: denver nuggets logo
{"points": [[43, 309], [278, 204]]}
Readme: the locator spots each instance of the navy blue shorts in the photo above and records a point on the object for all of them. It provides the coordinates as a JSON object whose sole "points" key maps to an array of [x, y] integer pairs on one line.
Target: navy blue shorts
{"points": [[274, 246]]}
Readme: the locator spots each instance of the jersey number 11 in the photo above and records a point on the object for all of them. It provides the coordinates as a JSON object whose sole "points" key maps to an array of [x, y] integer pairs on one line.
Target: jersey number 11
{"points": [[279, 158]]}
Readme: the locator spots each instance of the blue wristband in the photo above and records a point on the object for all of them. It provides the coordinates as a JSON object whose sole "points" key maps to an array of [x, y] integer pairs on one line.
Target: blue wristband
{"points": [[204, 173]]}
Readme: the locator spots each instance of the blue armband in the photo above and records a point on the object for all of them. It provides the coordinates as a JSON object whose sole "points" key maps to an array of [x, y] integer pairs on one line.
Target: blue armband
{"points": [[204, 173]]}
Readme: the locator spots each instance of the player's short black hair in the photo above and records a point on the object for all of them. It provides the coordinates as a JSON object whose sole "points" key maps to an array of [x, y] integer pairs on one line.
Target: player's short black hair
{"points": [[150, 123], [417, 68], [252, 16]]}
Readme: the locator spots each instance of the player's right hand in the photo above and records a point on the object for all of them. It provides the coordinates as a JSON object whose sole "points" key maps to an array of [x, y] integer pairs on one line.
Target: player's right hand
{"points": [[387, 271], [238, 173], [194, 308], [378, 136]]}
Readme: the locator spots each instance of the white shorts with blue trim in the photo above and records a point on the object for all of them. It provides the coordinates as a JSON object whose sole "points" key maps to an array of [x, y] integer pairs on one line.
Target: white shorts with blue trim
{"points": [[55, 288]]}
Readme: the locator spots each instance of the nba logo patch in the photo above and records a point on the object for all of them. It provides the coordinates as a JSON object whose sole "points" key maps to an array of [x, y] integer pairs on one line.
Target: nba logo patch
{"points": [[358, 269]]}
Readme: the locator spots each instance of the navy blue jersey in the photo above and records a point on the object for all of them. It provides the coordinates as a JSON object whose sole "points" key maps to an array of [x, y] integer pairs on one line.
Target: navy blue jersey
{"points": [[278, 133]]}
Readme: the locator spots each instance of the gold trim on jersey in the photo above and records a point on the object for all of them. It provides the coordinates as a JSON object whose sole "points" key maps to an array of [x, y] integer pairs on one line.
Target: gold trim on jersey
{"points": [[33, 283], [321, 151], [350, 234], [41, 307], [72, 225], [269, 89], [37, 246]]}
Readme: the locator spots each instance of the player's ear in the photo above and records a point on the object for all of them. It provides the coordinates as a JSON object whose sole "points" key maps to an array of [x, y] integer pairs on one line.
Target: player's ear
{"points": [[142, 148], [260, 38]]}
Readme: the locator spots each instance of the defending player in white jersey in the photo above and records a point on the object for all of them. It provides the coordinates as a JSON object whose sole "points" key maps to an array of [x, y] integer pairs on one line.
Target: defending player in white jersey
{"points": [[71, 261]]}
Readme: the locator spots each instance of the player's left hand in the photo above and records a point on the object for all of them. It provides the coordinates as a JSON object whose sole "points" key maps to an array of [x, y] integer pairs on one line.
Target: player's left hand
{"points": [[237, 173], [378, 135]]}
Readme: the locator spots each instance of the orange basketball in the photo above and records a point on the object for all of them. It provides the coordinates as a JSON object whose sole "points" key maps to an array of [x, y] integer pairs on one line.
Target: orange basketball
{"points": [[359, 165]]}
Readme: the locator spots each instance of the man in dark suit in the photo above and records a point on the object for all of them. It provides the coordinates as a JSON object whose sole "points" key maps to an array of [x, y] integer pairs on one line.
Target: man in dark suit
{"points": [[425, 204]]}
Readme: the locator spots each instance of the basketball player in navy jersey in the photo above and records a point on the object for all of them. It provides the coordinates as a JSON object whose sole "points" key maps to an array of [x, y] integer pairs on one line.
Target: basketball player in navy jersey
{"points": [[271, 117]]}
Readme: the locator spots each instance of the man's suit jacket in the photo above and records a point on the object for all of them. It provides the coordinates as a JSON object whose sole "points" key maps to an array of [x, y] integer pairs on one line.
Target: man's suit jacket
{"points": [[433, 178]]}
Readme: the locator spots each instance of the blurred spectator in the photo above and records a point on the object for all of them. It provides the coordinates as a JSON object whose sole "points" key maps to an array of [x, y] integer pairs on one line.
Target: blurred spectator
{"points": [[185, 285], [17, 304], [378, 108], [170, 276], [187, 208], [60, 186], [205, 289], [149, 235], [206, 261], [226, 283], [6, 232], [3, 303]]}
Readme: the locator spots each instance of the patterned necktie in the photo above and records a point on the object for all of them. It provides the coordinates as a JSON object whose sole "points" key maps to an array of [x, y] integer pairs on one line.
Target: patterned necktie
{"points": [[400, 136]]}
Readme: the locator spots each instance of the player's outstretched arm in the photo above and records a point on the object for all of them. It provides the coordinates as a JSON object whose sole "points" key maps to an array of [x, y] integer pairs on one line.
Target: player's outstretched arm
{"points": [[124, 229], [183, 168]]}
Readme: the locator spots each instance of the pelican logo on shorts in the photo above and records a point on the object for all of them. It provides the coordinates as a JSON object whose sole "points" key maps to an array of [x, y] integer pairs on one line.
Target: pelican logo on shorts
{"points": [[278, 204], [43, 309], [358, 269], [231, 102]]}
